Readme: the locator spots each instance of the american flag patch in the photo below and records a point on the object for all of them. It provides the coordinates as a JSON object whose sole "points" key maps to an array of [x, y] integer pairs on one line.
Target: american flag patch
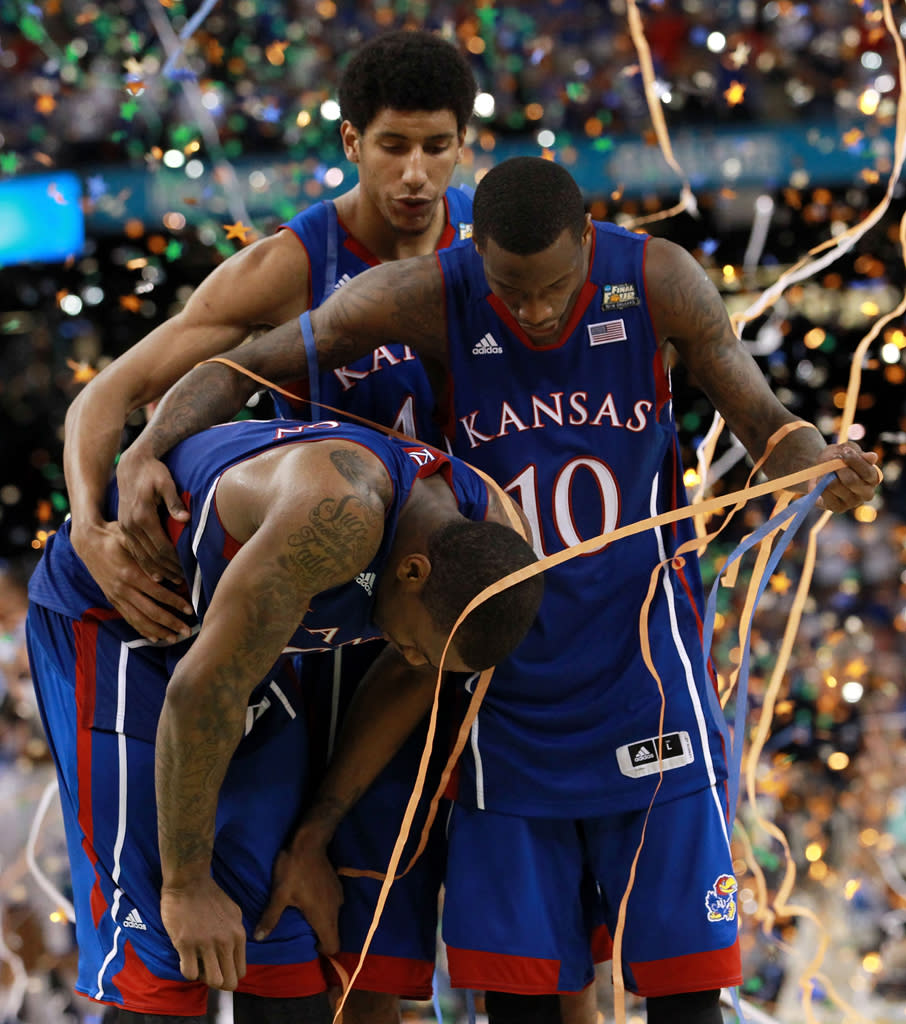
{"points": [[603, 334]]}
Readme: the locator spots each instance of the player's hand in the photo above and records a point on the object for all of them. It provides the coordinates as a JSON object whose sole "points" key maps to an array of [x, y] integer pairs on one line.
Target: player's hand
{"points": [[205, 927], [855, 483], [305, 878], [142, 602], [144, 484]]}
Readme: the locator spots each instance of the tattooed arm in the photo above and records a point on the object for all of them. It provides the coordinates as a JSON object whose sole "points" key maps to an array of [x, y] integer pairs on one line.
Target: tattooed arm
{"points": [[401, 301], [687, 311], [391, 699], [310, 521]]}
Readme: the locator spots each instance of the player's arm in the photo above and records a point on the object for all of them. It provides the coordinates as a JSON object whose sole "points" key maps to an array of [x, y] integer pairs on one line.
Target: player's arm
{"points": [[258, 284], [687, 311], [401, 301], [313, 536], [391, 699]]}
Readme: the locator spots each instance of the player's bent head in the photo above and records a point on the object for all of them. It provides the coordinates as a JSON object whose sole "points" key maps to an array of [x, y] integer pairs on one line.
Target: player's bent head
{"points": [[466, 557], [525, 204], [406, 70]]}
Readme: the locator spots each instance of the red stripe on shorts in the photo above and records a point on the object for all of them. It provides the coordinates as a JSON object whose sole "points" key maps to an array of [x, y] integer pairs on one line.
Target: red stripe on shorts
{"points": [[502, 972]]}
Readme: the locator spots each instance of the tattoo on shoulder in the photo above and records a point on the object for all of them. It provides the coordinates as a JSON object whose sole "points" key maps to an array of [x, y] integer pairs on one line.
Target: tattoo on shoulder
{"points": [[395, 302], [695, 302], [352, 466], [337, 540]]}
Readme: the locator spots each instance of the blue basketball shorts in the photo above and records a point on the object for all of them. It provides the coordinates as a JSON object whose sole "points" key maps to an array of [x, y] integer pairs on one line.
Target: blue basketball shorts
{"points": [[532, 903], [106, 780], [402, 953]]}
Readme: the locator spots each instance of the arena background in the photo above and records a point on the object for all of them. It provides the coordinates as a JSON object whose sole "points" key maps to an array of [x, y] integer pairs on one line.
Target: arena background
{"points": [[143, 142]]}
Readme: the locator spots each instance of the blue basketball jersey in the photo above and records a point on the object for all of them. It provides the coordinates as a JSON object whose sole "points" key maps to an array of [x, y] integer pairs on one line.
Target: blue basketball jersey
{"points": [[582, 434], [335, 617], [388, 386]]}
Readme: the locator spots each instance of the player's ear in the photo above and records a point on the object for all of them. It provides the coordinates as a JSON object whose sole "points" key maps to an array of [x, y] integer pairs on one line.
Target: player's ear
{"points": [[351, 140], [413, 571], [588, 229]]}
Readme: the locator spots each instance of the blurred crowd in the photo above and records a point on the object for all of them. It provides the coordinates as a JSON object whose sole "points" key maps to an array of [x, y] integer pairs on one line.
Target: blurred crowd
{"points": [[114, 84], [263, 71]]}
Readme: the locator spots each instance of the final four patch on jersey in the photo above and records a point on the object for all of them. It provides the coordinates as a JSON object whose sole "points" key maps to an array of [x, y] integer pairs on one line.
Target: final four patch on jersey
{"points": [[641, 758], [619, 296], [465, 231]]}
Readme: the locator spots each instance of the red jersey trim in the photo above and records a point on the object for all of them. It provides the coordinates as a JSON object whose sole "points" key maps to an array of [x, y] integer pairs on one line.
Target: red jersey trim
{"points": [[284, 981], [503, 972], [695, 972], [394, 975], [144, 992]]}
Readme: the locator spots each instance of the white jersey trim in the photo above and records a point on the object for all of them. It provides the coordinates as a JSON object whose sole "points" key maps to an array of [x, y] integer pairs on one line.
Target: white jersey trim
{"points": [[687, 665], [476, 753]]}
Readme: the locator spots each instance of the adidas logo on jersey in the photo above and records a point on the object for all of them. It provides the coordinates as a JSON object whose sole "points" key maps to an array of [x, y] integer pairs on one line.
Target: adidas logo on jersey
{"points": [[642, 754], [487, 346], [345, 279], [366, 581], [134, 920]]}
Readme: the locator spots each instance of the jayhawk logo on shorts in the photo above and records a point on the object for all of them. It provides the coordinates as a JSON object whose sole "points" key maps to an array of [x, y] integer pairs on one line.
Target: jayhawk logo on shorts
{"points": [[721, 899]]}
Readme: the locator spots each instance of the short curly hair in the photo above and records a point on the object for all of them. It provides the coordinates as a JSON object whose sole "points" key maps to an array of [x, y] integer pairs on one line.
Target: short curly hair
{"points": [[406, 70], [466, 557], [524, 204]]}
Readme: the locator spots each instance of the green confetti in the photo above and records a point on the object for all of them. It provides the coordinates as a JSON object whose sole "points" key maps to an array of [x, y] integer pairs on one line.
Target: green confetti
{"points": [[182, 135], [59, 502], [8, 163], [173, 250], [128, 110], [32, 29]]}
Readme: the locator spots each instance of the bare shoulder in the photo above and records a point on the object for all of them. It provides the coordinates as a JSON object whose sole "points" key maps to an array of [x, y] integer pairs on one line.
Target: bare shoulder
{"points": [[288, 482], [685, 305], [505, 510], [264, 284]]}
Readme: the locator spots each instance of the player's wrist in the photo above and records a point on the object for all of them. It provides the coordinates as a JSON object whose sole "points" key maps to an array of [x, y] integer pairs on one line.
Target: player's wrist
{"points": [[318, 826]]}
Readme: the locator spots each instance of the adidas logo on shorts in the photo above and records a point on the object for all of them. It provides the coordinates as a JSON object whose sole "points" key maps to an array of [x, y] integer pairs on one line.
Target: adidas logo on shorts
{"points": [[655, 754], [134, 920], [487, 346]]}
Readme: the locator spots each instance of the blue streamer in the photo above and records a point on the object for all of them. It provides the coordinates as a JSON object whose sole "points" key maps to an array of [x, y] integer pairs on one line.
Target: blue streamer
{"points": [[311, 358], [435, 999], [188, 30], [795, 512]]}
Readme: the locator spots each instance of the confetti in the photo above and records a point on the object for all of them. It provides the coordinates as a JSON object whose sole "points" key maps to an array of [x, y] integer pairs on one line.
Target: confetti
{"points": [[237, 230]]}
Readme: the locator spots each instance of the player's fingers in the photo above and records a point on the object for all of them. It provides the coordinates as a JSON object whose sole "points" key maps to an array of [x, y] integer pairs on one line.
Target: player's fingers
{"points": [[239, 962], [268, 920], [188, 964], [151, 548], [210, 966], [325, 927], [170, 497], [149, 619], [226, 960]]}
